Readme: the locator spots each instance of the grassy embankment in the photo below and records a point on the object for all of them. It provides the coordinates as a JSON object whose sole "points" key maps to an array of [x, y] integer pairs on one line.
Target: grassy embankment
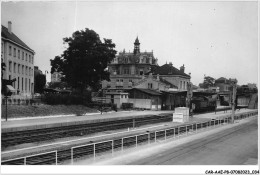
{"points": [[15, 111]]}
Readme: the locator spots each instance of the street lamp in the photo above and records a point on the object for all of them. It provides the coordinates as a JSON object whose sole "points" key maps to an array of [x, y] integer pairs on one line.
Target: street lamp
{"points": [[234, 90]]}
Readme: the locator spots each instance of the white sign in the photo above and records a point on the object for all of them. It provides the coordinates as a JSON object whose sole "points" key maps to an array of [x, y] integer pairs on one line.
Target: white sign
{"points": [[178, 117]]}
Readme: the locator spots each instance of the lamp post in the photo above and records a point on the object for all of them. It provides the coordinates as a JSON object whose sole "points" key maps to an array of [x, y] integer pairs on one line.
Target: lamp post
{"points": [[234, 90]]}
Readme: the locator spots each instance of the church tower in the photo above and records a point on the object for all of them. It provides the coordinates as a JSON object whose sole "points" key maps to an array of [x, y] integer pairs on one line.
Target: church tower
{"points": [[136, 46]]}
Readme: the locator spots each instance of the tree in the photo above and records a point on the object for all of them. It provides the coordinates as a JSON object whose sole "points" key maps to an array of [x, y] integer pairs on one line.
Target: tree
{"points": [[84, 62], [39, 83], [57, 85], [208, 82]]}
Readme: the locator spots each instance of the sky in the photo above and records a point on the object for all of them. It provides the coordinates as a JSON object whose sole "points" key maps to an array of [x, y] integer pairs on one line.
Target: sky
{"points": [[217, 39]]}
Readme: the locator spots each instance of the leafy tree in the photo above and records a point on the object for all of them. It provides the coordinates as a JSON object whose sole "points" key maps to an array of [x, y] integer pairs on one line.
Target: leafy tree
{"points": [[84, 61], [39, 83], [208, 82], [57, 85]]}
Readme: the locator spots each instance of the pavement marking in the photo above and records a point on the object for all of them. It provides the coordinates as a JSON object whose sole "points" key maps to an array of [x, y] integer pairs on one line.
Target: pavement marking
{"points": [[66, 142]]}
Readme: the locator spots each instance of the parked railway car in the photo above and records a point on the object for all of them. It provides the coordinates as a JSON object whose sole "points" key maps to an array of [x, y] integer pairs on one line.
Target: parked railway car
{"points": [[203, 104]]}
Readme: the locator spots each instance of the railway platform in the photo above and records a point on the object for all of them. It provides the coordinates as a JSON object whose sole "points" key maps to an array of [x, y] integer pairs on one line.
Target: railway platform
{"points": [[64, 147]]}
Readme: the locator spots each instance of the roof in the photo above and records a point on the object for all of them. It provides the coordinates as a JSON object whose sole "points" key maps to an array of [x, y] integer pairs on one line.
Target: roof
{"points": [[147, 91], [13, 37], [222, 80], [168, 69], [136, 41], [168, 83]]}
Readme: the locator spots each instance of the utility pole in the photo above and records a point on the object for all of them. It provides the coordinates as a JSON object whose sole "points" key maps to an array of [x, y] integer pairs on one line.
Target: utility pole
{"points": [[189, 95], [234, 90]]}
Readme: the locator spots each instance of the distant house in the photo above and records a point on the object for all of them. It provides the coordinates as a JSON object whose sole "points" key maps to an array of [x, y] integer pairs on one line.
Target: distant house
{"points": [[223, 84], [172, 75], [225, 90], [128, 68], [155, 83], [56, 77]]}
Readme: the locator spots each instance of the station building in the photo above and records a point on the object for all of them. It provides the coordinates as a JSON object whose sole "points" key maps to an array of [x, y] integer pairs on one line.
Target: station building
{"points": [[148, 84]]}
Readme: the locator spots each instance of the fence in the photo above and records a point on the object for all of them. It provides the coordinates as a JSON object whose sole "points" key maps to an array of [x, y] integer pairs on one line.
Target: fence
{"points": [[42, 158], [93, 150]]}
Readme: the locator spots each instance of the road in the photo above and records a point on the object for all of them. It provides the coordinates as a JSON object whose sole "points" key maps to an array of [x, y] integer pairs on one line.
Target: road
{"points": [[234, 144]]}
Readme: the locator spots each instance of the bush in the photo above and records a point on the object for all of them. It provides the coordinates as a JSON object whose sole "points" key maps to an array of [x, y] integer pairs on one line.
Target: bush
{"points": [[114, 107], [127, 105], [66, 99], [224, 103]]}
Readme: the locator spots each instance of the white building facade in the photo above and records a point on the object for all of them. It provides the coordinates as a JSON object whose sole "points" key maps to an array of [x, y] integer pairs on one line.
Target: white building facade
{"points": [[19, 62]]}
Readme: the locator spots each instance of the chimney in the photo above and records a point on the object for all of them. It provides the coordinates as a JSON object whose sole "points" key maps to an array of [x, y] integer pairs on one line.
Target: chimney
{"points": [[182, 68], [170, 63], [9, 26]]}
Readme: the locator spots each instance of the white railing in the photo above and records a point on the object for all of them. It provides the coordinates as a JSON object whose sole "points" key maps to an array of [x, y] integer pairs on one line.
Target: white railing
{"points": [[25, 162]]}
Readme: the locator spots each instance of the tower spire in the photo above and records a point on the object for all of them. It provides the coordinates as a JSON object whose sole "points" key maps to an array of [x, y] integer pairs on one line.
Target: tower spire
{"points": [[136, 46]]}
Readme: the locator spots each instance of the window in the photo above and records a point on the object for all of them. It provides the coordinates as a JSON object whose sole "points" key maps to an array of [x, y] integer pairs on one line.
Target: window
{"points": [[14, 67], [10, 77], [121, 80], [126, 71], [26, 70], [22, 84], [150, 85], [141, 72], [122, 96], [29, 85], [117, 80], [2, 48], [26, 57], [25, 84], [18, 80], [18, 54], [14, 52], [14, 84], [10, 66], [130, 80], [29, 58], [181, 85], [18, 70], [10, 50], [23, 56], [22, 69]]}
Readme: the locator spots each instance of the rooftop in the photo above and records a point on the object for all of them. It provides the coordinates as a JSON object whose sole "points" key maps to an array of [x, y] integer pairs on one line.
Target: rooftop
{"points": [[14, 38], [168, 69]]}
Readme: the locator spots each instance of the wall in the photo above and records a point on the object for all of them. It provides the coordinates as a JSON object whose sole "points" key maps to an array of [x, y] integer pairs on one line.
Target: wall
{"points": [[176, 80], [13, 72], [141, 103], [243, 101]]}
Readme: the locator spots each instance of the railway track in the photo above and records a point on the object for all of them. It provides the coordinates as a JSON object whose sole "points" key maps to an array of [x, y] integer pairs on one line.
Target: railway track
{"points": [[31, 136]]}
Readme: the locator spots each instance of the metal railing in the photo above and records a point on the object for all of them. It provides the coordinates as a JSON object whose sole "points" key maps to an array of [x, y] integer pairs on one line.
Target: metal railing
{"points": [[34, 159], [93, 150]]}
